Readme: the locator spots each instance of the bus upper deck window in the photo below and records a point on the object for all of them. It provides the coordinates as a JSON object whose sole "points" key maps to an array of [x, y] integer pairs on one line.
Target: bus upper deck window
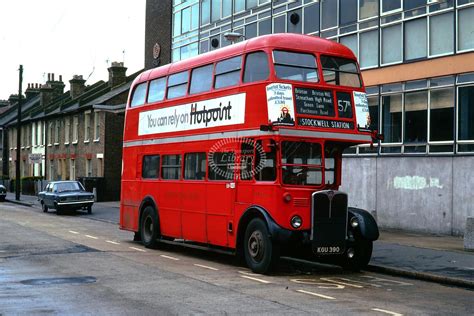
{"points": [[295, 66], [228, 72], [201, 79], [139, 95], [340, 71], [256, 67], [177, 85], [157, 90]]}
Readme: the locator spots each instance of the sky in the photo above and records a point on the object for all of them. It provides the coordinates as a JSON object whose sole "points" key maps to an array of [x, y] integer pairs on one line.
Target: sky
{"points": [[68, 38]]}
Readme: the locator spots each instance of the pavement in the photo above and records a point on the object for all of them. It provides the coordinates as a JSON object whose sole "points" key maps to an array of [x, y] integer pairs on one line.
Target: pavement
{"points": [[435, 258]]}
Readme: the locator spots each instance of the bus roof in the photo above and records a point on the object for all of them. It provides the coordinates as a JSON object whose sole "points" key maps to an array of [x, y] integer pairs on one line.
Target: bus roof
{"points": [[288, 41]]}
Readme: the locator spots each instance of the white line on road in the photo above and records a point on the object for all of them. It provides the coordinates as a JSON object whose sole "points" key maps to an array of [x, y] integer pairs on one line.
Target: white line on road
{"points": [[206, 267], [93, 237], [316, 294], [169, 257], [340, 282], [73, 232], [386, 312], [137, 249], [112, 242], [255, 279]]}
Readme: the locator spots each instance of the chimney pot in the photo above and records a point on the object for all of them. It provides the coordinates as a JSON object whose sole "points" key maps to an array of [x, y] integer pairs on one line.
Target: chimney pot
{"points": [[52, 77], [61, 78]]}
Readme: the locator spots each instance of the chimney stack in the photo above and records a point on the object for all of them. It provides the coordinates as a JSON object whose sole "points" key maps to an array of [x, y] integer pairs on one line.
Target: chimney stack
{"points": [[31, 91], [57, 86], [117, 74], [77, 86]]}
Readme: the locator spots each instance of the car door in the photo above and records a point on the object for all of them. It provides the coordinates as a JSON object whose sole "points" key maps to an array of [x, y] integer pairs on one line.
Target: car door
{"points": [[49, 196]]}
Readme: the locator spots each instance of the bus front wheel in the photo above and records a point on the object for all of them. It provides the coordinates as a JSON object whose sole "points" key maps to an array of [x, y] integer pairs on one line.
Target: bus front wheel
{"points": [[149, 227], [360, 257], [259, 250]]}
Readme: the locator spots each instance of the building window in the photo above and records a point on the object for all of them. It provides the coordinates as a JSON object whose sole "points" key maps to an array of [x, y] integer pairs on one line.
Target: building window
{"points": [[75, 129], [416, 117], [96, 126], [466, 113], [392, 44], [251, 30], [265, 27], [368, 49], [441, 114], [442, 34], [351, 42], [368, 9], [374, 112], [415, 39], [216, 10], [171, 167], [251, 3], [195, 166], [201, 79], [466, 29], [34, 141], [347, 12], [50, 134], [206, 11], [279, 24], [329, 14], [57, 131], [51, 170], [177, 24], [391, 5], [89, 167], [239, 6], [311, 25], [67, 124], [294, 27], [72, 169], [157, 90], [87, 126], [392, 118], [99, 167]]}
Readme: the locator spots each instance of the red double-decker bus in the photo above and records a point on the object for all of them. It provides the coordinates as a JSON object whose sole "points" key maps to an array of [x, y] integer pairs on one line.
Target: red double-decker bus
{"points": [[240, 149]]}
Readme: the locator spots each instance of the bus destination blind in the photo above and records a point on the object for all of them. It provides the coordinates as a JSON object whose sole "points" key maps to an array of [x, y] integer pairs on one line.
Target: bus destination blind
{"points": [[314, 102]]}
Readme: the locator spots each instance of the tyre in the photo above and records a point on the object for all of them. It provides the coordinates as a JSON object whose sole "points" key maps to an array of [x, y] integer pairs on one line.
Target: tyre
{"points": [[362, 254], [260, 252], [149, 227], [89, 209], [44, 207], [59, 211], [2, 198]]}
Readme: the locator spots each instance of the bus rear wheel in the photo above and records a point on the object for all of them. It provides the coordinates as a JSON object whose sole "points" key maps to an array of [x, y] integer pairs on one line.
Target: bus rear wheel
{"points": [[149, 227], [259, 251]]}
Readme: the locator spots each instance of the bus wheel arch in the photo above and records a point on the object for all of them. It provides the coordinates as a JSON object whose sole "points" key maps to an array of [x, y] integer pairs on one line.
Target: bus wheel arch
{"points": [[255, 234]]}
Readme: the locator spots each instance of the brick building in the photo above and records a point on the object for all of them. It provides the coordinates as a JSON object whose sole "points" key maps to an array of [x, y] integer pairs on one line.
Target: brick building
{"points": [[78, 133]]}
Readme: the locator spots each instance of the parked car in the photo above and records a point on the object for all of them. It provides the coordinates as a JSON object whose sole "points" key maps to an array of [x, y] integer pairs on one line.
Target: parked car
{"points": [[65, 195], [3, 193]]}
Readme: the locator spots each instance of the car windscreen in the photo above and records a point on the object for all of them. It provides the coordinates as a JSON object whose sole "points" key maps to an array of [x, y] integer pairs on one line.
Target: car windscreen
{"points": [[68, 186]]}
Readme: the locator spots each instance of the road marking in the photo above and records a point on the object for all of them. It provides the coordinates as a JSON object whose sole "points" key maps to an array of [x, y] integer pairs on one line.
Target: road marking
{"points": [[320, 285], [382, 280], [73, 232], [112, 242], [386, 312], [93, 237], [137, 249], [255, 279], [169, 257], [206, 267], [316, 294], [331, 280]]}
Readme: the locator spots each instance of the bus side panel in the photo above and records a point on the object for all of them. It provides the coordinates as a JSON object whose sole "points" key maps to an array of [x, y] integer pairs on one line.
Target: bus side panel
{"points": [[169, 205], [194, 211], [129, 202]]}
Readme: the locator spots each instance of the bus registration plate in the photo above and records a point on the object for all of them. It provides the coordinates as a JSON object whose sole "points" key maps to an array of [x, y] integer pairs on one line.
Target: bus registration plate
{"points": [[329, 250]]}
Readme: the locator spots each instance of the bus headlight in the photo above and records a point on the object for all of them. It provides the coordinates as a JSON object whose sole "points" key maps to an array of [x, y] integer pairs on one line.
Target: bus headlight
{"points": [[354, 222], [296, 222]]}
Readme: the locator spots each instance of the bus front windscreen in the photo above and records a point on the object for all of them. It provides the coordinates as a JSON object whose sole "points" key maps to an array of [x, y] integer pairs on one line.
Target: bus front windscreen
{"points": [[301, 163], [340, 72]]}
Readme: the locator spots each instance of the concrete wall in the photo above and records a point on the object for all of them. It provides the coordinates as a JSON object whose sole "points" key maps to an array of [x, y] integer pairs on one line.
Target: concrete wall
{"points": [[425, 194]]}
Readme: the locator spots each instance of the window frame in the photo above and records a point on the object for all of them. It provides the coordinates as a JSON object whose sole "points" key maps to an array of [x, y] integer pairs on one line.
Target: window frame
{"points": [[216, 75], [316, 64], [168, 86]]}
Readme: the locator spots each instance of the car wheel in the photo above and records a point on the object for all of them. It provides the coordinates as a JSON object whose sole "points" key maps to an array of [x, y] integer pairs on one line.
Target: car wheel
{"points": [[260, 252], [59, 210], [2, 198], [89, 209], [44, 207], [149, 227]]}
